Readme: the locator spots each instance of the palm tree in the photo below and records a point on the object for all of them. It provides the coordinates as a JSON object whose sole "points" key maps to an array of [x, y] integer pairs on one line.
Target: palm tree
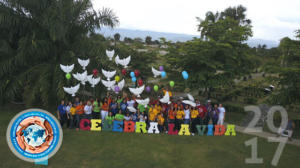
{"points": [[36, 36]]}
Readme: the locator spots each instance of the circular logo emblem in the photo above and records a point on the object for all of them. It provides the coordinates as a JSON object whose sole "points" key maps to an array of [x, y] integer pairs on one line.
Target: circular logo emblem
{"points": [[34, 134]]}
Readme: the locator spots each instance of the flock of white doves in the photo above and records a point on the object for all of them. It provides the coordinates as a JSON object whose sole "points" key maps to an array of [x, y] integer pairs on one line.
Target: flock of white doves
{"points": [[111, 84]]}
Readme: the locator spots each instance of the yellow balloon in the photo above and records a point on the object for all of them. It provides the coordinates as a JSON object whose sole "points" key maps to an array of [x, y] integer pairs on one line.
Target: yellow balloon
{"points": [[117, 78]]}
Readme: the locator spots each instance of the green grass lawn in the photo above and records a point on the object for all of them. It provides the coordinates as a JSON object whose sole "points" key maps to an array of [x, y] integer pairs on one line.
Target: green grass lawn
{"points": [[108, 149]]}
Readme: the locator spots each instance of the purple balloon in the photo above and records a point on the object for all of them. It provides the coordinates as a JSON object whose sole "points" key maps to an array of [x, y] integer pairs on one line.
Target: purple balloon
{"points": [[161, 68], [117, 89], [148, 89]]}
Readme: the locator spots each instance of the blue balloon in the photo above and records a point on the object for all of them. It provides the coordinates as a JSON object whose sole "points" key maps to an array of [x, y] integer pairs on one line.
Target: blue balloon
{"points": [[133, 79], [185, 75], [132, 74], [163, 74]]}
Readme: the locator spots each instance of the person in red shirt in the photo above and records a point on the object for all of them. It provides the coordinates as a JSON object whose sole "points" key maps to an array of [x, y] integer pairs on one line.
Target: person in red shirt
{"points": [[202, 112]]}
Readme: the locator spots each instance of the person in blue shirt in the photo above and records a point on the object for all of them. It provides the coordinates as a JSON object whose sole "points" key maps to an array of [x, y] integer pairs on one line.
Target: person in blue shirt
{"points": [[123, 106], [62, 113], [113, 107]]}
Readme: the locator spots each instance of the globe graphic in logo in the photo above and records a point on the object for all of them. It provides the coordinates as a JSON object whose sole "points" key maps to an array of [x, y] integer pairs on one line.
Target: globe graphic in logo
{"points": [[34, 135]]}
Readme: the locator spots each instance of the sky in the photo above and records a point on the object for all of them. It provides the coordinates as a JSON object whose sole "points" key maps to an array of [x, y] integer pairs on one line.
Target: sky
{"points": [[271, 19]]}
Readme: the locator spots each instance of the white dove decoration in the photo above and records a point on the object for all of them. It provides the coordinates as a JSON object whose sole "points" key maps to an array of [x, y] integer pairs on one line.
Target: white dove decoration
{"points": [[144, 102], [191, 98], [166, 98], [82, 77], [124, 62], [131, 109], [72, 90], [83, 63], [189, 102], [110, 54], [121, 85], [67, 68], [109, 74], [155, 72], [93, 81], [137, 91], [108, 84]]}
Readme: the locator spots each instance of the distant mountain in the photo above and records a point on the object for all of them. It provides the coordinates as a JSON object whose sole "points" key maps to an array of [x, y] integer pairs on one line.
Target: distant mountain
{"points": [[107, 32]]}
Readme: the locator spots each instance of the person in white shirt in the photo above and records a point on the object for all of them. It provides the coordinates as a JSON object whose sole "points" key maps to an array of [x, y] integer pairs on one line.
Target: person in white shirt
{"points": [[88, 110], [187, 112], [131, 103], [127, 117], [222, 112]]}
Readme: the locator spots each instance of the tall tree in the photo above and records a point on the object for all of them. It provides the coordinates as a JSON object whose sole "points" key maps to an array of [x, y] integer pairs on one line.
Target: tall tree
{"points": [[148, 40], [117, 37], [37, 36]]}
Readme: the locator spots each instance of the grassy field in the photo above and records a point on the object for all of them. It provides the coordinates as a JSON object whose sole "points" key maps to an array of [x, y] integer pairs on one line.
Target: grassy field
{"points": [[108, 149]]}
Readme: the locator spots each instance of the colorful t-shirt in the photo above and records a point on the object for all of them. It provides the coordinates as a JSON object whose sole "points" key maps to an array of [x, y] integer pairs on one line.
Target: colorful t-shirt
{"points": [[160, 120], [180, 114], [171, 114], [79, 109], [96, 107], [194, 113], [73, 110], [109, 119], [105, 106], [119, 117]]}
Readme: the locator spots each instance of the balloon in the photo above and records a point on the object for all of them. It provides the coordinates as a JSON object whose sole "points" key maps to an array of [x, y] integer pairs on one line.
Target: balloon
{"points": [[117, 89], [155, 88], [68, 76], [148, 89], [140, 82], [161, 68], [124, 72], [132, 74], [185, 75], [95, 72], [172, 83], [163, 74], [133, 79], [117, 78], [136, 72]]}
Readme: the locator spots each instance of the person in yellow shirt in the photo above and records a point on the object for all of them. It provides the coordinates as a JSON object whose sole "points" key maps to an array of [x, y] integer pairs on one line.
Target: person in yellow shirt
{"points": [[152, 114], [72, 113], [161, 121], [179, 118], [194, 115]]}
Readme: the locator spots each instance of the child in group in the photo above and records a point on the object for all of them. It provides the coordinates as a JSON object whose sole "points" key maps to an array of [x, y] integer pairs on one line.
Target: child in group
{"points": [[194, 118], [179, 118], [171, 114], [113, 106], [104, 108], [119, 116], [127, 117], [62, 113], [187, 112], [88, 110], [215, 114], [96, 109], [123, 106], [222, 112], [109, 119], [134, 117], [72, 116], [152, 114], [70, 119], [142, 117], [78, 115], [161, 121]]}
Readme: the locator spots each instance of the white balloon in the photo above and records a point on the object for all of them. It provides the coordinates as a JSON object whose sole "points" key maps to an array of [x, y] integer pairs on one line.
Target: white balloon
{"points": [[124, 62], [166, 98], [155, 72], [67, 68], [191, 98], [143, 102], [83, 63], [82, 77], [72, 90], [93, 81], [108, 74], [110, 54], [189, 103], [108, 84], [137, 91], [131, 109]]}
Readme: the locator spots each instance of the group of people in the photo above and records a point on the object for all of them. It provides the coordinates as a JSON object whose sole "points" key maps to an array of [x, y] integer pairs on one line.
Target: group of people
{"points": [[117, 108]]}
